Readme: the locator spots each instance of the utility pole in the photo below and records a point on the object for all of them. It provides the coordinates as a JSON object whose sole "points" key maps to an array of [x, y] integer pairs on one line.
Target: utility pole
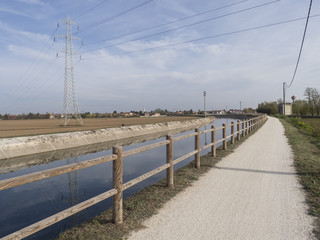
{"points": [[70, 105], [240, 105], [204, 97], [284, 98]]}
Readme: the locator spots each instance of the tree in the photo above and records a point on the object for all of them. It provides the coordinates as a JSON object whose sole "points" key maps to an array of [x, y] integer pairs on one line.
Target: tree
{"points": [[86, 115], [300, 107], [30, 115], [313, 98], [157, 110], [268, 108], [248, 110]]}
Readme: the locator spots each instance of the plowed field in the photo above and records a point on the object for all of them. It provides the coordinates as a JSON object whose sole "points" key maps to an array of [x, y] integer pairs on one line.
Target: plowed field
{"points": [[15, 128]]}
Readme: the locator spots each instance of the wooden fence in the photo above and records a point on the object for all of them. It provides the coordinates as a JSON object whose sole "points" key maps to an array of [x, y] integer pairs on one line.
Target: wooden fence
{"points": [[243, 128]]}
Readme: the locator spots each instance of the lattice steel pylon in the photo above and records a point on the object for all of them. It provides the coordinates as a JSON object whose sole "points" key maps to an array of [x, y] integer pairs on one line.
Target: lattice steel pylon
{"points": [[70, 104]]}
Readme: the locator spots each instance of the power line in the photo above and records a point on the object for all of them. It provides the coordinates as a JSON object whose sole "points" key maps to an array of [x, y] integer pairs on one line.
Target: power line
{"points": [[168, 23], [35, 67], [209, 37], [185, 26], [115, 16], [304, 35], [92, 8], [41, 90]]}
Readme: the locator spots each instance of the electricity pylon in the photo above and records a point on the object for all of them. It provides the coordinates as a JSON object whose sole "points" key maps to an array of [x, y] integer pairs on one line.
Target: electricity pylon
{"points": [[70, 104]]}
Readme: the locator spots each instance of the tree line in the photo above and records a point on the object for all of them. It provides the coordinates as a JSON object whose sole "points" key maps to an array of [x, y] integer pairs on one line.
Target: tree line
{"points": [[310, 106], [114, 114]]}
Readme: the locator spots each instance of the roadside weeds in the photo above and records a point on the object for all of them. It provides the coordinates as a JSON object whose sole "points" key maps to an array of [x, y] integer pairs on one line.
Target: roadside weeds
{"points": [[306, 152]]}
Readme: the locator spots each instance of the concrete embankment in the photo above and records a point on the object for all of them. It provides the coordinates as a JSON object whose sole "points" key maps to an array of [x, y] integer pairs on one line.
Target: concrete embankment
{"points": [[22, 146]]}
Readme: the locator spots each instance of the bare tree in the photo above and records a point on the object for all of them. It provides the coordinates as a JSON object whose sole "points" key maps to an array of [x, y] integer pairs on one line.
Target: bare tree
{"points": [[313, 97], [316, 100]]}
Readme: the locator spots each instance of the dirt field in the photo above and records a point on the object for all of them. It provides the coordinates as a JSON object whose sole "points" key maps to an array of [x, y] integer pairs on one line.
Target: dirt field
{"points": [[15, 128]]}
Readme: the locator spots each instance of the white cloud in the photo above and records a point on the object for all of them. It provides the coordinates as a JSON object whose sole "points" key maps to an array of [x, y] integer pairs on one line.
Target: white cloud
{"points": [[36, 2], [7, 9], [30, 53], [20, 36]]}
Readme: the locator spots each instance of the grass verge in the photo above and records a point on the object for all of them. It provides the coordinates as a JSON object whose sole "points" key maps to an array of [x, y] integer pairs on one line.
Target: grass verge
{"points": [[306, 148], [145, 203]]}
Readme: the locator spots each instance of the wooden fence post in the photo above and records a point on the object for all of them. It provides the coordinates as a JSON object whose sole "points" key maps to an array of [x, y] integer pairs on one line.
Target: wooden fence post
{"points": [[197, 147], [238, 130], [224, 136], [252, 124], [170, 161], [246, 127], [243, 129], [232, 132], [213, 140], [117, 173]]}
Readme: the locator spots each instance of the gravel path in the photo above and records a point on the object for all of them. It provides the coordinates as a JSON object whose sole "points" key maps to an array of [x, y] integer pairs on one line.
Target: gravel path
{"points": [[251, 194]]}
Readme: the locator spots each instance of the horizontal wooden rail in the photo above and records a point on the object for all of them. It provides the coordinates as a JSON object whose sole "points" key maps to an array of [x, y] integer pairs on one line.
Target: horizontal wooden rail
{"points": [[206, 146], [144, 148], [32, 177], [219, 141], [176, 139], [117, 158], [27, 231], [184, 157], [144, 176], [229, 136], [206, 131]]}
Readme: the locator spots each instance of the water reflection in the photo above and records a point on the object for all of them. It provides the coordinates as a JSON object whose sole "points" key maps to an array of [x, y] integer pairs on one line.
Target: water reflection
{"points": [[27, 204]]}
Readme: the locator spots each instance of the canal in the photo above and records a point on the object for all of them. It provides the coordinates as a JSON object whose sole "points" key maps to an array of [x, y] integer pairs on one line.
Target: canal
{"points": [[24, 205]]}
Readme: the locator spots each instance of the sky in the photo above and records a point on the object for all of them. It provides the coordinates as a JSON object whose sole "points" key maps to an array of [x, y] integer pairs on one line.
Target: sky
{"points": [[136, 54]]}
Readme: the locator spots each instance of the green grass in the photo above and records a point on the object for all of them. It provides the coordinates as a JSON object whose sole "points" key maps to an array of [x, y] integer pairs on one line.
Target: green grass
{"points": [[314, 124], [145, 203], [303, 135]]}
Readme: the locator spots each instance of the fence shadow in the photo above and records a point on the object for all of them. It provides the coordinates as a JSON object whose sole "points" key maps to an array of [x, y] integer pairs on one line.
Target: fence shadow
{"points": [[255, 171]]}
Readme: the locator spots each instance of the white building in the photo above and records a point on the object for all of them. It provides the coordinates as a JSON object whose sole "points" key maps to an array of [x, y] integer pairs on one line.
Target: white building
{"points": [[287, 108]]}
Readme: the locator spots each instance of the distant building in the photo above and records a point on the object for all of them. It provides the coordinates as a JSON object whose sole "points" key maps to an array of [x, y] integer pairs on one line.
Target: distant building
{"points": [[235, 111], [145, 115], [287, 108], [128, 114], [218, 112]]}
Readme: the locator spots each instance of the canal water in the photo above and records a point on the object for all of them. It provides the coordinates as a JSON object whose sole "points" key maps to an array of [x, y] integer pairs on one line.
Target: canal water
{"points": [[24, 205]]}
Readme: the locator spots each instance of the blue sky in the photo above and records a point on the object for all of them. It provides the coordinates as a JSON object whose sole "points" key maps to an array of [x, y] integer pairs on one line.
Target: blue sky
{"points": [[120, 74]]}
